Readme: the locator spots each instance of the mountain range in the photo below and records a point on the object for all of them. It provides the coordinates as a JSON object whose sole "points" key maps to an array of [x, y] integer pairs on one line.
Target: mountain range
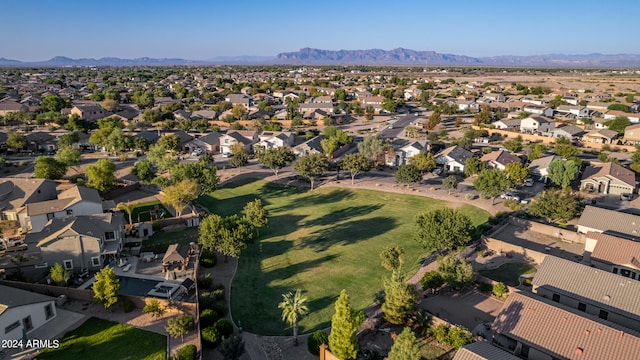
{"points": [[399, 56]]}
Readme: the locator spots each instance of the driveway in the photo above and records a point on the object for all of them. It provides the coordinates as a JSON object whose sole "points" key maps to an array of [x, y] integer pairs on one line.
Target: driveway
{"points": [[468, 308]]}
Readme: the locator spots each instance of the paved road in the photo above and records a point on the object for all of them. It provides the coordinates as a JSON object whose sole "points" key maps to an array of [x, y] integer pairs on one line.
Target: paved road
{"points": [[397, 127]]}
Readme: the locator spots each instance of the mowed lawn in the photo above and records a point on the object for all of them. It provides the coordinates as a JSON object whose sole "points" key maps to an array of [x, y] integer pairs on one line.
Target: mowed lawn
{"points": [[99, 339], [321, 242]]}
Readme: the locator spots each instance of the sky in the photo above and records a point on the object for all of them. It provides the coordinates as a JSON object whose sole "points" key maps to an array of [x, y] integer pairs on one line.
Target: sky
{"points": [[203, 29]]}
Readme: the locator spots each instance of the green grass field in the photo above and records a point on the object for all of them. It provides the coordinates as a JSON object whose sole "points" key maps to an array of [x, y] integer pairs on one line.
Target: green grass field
{"points": [[160, 241], [321, 242], [142, 211], [509, 273], [99, 339]]}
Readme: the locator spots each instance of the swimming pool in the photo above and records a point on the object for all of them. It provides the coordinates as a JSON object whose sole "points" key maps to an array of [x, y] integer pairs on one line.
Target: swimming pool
{"points": [[135, 286]]}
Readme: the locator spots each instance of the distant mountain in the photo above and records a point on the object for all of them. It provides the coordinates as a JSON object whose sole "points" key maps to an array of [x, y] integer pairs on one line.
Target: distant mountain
{"points": [[402, 56], [9, 62]]}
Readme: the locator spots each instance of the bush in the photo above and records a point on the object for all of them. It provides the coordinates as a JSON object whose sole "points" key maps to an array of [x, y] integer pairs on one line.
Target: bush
{"points": [[431, 280], [208, 317], [499, 289], [513, 204], [128, 306], [224, 327], [211, 336], [205, 282], [208, 259], [157, 225], [485, 288], [456, 336], [526, 282], [187, 352], [316, 339]]}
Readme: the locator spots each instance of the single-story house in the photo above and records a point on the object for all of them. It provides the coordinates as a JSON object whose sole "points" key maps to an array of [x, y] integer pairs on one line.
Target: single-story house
{"points": [[569, 132], [311, 146], [499, 159], [614, 254], [507, 124], [245, 137], [539, 167], [601, 136], [608, 178], [632, 134], [610, 221], [453, 158]]}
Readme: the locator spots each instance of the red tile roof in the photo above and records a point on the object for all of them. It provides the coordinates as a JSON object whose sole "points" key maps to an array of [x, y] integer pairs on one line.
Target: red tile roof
{"points": [[615, 250]]}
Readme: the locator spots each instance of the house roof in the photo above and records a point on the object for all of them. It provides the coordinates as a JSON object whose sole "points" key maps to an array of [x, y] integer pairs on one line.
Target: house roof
{"points": [[610, 291], [615, 250], [500, 157], [176, 253], [543, 162], [610, 221], [564, 334], [92, 225], [12, 297], [16, 192], [611, 170], [457, 153], [239, 137], [211, 139], [150, 136], [81, 193], [570, 129], [609, 134], [50, 206], [482, 350], [540, 119], [313, 143]]}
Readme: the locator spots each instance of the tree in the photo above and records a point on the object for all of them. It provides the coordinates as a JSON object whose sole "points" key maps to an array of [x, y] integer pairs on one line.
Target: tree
{"points": [[59, 274], [555, 205], [355, 164], [369, 111], [101, 176], [160, 157], [154, 308], [256, 214], [399, 299], [434, 119], [565, 148], [406, 347], [16, 141], [232, 348], [373, 146], [456, 272], [450, 182], [69, 157], [311, 166], [67, 140], [181, 194], [442, 229], [463, 142], [110, 105], [117, 141], [392, 258], [46, 167], [537, 150], [491, 183], [618, 124], [128, 208], [425, 162], [143, 169], [170, 142], [619, 107], [513, 145], [238, 111], [329, 146], [239, 159], [389, 105], [202, 172], [227, 235], [630, 98], [106, 287], [53, 103], [517, 173], [342, 339], [562, 172], [483, 117], [294, 307], [408, 174], [179, 326], [431, 280], [473, 166]]}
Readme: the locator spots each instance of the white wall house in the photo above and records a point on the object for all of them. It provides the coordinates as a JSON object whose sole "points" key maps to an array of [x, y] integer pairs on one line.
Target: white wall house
{"points": [[20, 309]]}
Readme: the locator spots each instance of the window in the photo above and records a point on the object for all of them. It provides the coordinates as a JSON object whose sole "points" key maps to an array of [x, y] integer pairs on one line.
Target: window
{"points": [[109, 235], [95, 261], [615, 270], [556, 297], [582, 307], [12, 327], [524, 352], [49, 216], [603, 314], [48, 311], [68, 264], [69, 211], [26, 323], [43, 265]]}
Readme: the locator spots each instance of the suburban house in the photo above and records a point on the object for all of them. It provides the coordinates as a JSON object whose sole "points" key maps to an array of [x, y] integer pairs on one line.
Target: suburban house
{"points": [[307, 108], [16, 193], [374, 101], [403, 150], [614, 254], [245, 137], [590, 290], [534, 124], [575, 110], [241, 99], [601, 136], [568, 132], [311, 146], [322, 100], [467, 105], [498, 97], [539, 167], [8, 106], [499, 159], [41, 141], [22, 312], [202, 114], [535, 329], [209, 143], [483, 350], [507, 124], [608, 178], [608, 221], [90, 112], [275, 139], [632, 134], [76, 201], [538, 110], [453, 158], [612, 114], [80, 242], [151, 137], [571, 100]]}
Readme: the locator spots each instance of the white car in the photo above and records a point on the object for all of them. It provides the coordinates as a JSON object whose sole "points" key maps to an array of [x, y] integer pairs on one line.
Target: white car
{"points": [[510, 196], [528, 182]]}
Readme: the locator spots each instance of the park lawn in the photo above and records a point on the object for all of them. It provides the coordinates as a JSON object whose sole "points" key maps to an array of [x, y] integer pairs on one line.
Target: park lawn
{"points": [[509, 273], [320, 241], [160, 241], [99, 339], [141, 212]]}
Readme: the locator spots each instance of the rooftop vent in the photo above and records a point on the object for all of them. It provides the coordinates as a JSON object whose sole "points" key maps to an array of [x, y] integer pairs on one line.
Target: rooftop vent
{"points": [[606, 298], [579, 351]]}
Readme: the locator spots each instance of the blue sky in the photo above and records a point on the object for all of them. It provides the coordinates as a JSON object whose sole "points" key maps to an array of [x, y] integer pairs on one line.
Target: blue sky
{"points": [[200, 29]]}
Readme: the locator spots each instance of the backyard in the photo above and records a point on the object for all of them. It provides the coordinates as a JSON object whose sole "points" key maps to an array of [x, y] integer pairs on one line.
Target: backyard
{"points": [[101, 339], [509, 273], [321, 242], [149, 211]]}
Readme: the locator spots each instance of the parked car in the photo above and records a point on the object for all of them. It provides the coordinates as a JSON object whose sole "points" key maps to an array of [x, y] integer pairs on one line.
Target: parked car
{"points": [[626, 197], [528, 182], [510, 196]]}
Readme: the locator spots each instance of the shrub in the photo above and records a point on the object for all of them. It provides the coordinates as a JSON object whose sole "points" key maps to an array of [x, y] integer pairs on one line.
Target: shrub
{"points": [[157, 225], [205, 282], [128, 306], [211, 336], [208, 259], [316, 339], [224, 327], [456, 336], [499, 289], [513, 204], [485, 288], [208, 317], [432, 280], [187, 352], [441, 333], [526, 282]]}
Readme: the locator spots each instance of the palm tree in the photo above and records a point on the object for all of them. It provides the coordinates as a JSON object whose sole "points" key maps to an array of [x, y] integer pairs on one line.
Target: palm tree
{"points": [[294, 306], [128, 208]]}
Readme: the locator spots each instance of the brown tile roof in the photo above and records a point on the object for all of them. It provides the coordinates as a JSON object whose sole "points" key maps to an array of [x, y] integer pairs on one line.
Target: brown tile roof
{"points": [[613, 170], [606, 133], [483, 350], [610, 220], [564, 334], [615, 250], [500, 157]]}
